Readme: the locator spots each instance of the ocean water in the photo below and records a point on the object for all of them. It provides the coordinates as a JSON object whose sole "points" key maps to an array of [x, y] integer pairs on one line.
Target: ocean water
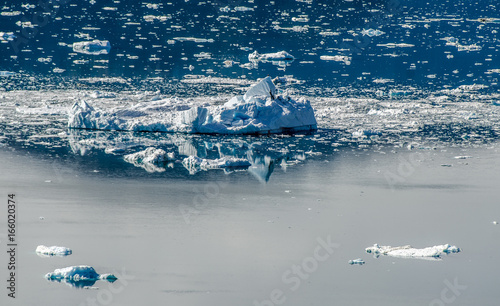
{"points": [[405, 94]]}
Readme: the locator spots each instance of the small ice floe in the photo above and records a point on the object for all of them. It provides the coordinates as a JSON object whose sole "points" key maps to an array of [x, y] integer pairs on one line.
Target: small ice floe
{"points": [[358, 261], [462, 157], [365, 133], [102, 95], [6, 73], [393, 45], [337, 58], [277, 56], [195, 164], [79, 276], [372, 32], [407, 251], [151, 159], [259, 111], [7, 36], [95, 47], [45, 251], [446, 165]]}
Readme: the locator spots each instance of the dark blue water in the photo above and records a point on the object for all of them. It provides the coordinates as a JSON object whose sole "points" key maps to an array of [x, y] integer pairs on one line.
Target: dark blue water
{"points": [[144, 38]]}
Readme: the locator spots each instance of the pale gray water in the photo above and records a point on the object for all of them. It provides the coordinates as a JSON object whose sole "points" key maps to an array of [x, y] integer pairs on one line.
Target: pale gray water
{"points": [[237, 247]]}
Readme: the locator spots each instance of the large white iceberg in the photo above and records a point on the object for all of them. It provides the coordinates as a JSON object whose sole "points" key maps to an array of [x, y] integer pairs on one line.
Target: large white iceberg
{"points": [[95, 47], [408, 251], [78, 273], [53, 250], [259, 111]]}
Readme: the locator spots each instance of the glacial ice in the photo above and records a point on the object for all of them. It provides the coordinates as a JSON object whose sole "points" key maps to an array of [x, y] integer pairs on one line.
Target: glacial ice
{"points": [[259, 111], [78, 273], [408, 251], [277, 56], [95, 47], [53, 250], [357, 261]]}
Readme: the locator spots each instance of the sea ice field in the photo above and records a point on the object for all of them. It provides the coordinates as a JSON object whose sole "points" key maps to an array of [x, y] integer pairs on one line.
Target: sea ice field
{"points": [[250, 152]]}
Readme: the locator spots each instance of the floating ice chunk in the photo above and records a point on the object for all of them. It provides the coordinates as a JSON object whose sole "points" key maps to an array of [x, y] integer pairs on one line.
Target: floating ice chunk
{"points": [[95, 47], [462, 157], [102, 95], [408, 251], [53, 250], [357, 261], [277, 56], [76, 273], [372, 32], [195, 164], [365, 133], [6, 73], [337, 58], [393, 45], [259, 111], [7, 36]]}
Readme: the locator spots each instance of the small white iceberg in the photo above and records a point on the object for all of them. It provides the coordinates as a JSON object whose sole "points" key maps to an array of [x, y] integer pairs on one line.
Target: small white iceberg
{"points": [[95, 47], [277, 56], [78, 273], [7, 36], [407, 251], [260, 111], [43, 250], [372, 32], [357, 261]]}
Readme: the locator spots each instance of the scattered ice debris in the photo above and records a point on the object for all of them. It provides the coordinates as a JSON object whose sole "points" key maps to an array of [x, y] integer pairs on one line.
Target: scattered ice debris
{"points": [[78, 273], [372, 32], [95, 47], [193, 39], [259, 111], [102, 95], [195, 164], [278, 56], [53, 250], [337, 58], [365, 133], [357, 261], [408, 251], [7, 36], [151, 159]]}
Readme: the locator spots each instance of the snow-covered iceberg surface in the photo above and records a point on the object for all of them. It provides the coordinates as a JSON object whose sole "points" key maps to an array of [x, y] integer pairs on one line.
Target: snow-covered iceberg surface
{"points": [[277, 56], [408, 251], [259, 111], [43, 250], [79, 276], [95, 47]]}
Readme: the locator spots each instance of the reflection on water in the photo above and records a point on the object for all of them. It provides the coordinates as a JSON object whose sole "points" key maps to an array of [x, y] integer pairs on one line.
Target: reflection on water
{"points": [[257, 155], [79, 283]]}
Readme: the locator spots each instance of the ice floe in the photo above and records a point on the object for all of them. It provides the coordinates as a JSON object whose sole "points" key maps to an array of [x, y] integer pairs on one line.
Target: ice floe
{"points": [[259, 111], [7, 36], [79, 276], [95, 47], [53, 250], [357, 261], [372, 32], [277, 56], [407, 251]]}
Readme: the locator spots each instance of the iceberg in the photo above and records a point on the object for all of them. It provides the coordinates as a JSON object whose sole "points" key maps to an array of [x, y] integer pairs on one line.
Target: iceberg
{"points": [[277, 56], [43, 250], [7, 36], [259, 111], [79, 276], [408, 251], [95, 47]]}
